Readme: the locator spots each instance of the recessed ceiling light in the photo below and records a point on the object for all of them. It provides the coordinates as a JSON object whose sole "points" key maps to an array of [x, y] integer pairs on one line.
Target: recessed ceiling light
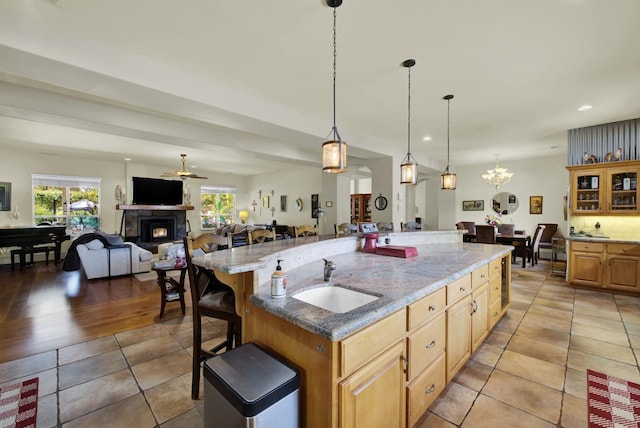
{"points": [[585, 107], [127, 159], [426, 138]]}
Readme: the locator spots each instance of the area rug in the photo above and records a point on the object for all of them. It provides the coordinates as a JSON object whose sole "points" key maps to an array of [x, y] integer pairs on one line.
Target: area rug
{"points": [[152, 276], [611, 401], [19, 404]]}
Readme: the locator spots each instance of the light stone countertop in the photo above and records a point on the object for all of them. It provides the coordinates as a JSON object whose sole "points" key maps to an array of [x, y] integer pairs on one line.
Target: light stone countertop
{"points": [[596, 238], [398, 281]]}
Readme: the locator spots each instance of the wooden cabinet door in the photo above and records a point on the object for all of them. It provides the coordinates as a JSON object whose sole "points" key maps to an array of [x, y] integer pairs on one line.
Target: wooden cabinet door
{"points": [[623, 272], [587, 192], [374, 396], [622, 190], [458, 335], [479, 316], [586, 268]]}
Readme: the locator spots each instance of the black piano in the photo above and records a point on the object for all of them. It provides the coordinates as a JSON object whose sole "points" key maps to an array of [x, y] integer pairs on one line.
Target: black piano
{"points": [[27, 237]]}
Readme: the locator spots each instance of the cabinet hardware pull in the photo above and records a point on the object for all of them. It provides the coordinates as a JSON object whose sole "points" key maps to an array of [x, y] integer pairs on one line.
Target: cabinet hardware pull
{"points": [[432, 308], [461, 288], [474, 305], [406, 362], [430, 390], [431, 345]]}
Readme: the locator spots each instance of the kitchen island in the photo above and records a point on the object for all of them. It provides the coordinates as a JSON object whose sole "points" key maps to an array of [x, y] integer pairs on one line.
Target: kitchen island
{"points": [[383, 363]]}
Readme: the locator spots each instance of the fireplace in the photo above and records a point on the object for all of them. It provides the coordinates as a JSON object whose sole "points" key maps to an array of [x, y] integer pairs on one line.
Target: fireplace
{"points": [[149, 226], [157, 229]]}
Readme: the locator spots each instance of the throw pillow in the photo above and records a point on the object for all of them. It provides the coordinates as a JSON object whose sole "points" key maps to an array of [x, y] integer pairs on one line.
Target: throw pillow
{"points": [[95, 244]]}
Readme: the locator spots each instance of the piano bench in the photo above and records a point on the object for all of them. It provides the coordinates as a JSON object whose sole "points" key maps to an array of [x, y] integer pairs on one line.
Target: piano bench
{"points": [[30, 251]]}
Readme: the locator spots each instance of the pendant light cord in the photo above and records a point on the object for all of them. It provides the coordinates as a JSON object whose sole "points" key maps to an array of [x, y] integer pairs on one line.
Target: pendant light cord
{"points": [[448, 128], [409, 115], [335, 45]]}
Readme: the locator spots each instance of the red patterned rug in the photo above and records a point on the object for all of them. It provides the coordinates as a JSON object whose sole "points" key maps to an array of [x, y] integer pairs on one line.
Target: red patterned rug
{"points": [[19, 404], [612, 402]]}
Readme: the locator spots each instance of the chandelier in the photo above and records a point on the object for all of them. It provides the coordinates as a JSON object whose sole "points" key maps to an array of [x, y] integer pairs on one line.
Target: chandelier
{"points": [[497, 176], [334, 152], [409, 166]]}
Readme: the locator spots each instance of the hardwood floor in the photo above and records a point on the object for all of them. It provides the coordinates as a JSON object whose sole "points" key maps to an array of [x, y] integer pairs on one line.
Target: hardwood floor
{"points": [[44, 308]]}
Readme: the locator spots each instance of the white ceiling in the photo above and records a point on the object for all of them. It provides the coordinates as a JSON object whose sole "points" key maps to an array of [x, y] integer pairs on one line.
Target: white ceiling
{"points": [[150, 79]]}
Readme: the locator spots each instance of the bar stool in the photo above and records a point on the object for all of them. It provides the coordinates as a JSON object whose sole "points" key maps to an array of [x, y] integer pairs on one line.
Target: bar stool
{"points": [[210, 298]]}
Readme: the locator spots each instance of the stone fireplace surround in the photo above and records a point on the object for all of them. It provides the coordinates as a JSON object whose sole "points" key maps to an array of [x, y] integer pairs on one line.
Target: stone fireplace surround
{"points": [[138, 222]]}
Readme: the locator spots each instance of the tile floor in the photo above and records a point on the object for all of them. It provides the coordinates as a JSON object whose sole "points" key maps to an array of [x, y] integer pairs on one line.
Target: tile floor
{"points": [[530, 371]]}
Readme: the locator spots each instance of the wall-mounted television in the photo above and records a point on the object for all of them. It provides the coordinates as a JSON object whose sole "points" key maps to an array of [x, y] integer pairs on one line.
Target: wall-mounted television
{"points": [[156, 191]]}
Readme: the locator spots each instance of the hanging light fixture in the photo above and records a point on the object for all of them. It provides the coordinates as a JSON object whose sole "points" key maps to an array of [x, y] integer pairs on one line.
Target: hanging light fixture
{"points": [[497, 176], [334, 152], [409, 166], [448, 180]]}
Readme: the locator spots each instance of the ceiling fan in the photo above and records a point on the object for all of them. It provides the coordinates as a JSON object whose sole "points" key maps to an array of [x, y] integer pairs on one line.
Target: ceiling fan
{"points": [[183, 173]]}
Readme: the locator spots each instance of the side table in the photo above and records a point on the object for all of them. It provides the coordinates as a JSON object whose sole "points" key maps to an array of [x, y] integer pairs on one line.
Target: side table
{"points": [[170, 289]]}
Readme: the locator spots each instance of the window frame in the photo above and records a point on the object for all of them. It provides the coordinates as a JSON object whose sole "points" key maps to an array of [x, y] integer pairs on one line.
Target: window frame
{"points": [[67, 183], [229, 217]]}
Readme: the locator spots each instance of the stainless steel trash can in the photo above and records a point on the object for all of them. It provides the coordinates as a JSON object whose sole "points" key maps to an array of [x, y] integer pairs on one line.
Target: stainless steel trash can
{"points": [[247, 387]]}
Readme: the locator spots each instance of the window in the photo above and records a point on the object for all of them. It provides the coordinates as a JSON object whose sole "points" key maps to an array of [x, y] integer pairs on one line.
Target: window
{"points": [[70, 201], [217, 206]]}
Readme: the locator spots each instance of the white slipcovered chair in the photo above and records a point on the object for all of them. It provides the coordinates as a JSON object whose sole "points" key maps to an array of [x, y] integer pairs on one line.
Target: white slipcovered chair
{"points": [[99, 261]]}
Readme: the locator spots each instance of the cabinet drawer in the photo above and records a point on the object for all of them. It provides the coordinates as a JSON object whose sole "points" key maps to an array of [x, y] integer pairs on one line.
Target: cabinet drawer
{"points": [[479, 276], [425, 389], [425, 345], [426, 308], [495, 269], [494, 313], [587, 247], [458, 289], [495, 289], [362, 346], [626, 249]]}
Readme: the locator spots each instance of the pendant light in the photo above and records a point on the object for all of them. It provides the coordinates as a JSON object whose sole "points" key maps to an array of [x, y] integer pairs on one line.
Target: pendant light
{"points": [[409, 166], [448, 180], [334, 152]]}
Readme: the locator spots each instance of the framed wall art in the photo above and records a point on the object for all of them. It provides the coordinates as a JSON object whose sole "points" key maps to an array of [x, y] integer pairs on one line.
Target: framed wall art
{"points": [[475, 205], [5, 196], [283, 203], [265, 202], [535, 204]]}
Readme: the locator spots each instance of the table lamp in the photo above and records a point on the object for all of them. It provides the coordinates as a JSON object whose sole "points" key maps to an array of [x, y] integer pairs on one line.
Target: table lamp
{"points": [[243, 216]]}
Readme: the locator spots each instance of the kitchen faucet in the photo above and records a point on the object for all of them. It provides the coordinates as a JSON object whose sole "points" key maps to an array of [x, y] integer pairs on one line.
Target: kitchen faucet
{"points": [[329, 267]]}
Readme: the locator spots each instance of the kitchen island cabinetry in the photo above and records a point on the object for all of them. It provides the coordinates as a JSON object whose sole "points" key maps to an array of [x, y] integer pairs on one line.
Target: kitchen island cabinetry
{"points": [[381, 364]]}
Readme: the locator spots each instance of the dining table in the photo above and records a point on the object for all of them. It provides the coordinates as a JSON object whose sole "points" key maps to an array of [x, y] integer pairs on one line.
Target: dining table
{"points": [[518, 240]]}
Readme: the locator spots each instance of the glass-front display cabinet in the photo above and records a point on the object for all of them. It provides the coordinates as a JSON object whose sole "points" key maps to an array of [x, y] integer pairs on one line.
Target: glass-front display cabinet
{"points": [[623, 190], [587, 195]]}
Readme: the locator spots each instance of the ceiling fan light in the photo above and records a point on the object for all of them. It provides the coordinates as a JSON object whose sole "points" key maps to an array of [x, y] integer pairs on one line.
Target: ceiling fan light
{"points": [[334, 156]]}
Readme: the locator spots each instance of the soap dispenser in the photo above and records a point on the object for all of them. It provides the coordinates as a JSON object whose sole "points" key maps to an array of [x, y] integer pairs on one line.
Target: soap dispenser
{"points": [[278, 283]]}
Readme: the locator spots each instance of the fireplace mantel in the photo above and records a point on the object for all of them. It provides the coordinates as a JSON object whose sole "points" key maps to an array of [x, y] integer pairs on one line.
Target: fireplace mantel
{"points": [[154, 207]]}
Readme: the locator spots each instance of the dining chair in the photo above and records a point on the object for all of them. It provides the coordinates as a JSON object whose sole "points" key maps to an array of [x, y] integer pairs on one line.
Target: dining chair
{"points": [[485, 234], [258, 236], [506, 228], [410, 226], [305, 230], [530, 251], [384, 226], [210, 298]]}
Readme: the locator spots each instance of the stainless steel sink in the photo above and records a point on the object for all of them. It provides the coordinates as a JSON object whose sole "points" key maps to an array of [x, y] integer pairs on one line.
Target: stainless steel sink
{"points": [[335, 298]]}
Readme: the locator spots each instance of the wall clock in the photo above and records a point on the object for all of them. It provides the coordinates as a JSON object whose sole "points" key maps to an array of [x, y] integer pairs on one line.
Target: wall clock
{"points": [[381, 202]]}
